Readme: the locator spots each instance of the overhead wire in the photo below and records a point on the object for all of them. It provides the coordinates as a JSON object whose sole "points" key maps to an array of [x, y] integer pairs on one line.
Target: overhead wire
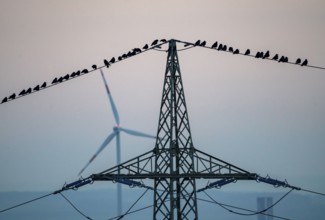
{"points": [[248, 214], [78, 210], [152, 47]]}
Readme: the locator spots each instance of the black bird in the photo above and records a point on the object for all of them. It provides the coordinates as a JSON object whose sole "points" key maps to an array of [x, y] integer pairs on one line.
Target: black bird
{"points": [[129, 54], [224, 48], [197, 43], [106, 63], [23, 92], [266, 55], [36, 88], [203, 44], [220, 47], [124, 56], [163, 40], [84, 71], [112, 60], [248, 51], [60, 79], [236, 51], [145, 47], [258, 55], [4, 100], [231, 49], [214, 45], [55, 80], [276, 57], [285, 60], [281, 59], [77, 73], [154, 42], [66, 77], [94, 66], [298, 61], [28, 91], [136, 50], [119, 58], [305, 63], [13, 96], [43, 85]]}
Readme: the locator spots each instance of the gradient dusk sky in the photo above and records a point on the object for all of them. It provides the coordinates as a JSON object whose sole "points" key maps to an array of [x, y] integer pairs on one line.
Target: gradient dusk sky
{"points": [[266, 117]]}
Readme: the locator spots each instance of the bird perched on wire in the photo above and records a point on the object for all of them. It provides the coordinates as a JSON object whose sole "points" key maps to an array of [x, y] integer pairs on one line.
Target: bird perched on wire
{"points": [[5, 99], [203, 44], [94, 66], [13, 96], [276, 57], [154, 42], [305, 63], [22, 92], [43, 85], [163, 40], [230, 49], [298, 61], [66, 77], [55, 80], [84, 71], [266, 55], [106, 63], [214, 45], [248, 51], [236, 51], [28, 91], [197, 43], [220, 47], [36, 88], [145, 47]]}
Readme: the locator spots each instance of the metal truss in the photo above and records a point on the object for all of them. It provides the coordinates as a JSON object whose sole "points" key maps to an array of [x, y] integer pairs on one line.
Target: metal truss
{"points": [[174, 164]]}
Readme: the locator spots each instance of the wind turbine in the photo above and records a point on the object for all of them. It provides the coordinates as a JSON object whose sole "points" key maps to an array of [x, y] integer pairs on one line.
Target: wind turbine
{"points": [[116, 133]]}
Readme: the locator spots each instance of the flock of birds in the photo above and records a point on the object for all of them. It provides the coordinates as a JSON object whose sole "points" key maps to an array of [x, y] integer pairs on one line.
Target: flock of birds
{"points": [[156, 44]]}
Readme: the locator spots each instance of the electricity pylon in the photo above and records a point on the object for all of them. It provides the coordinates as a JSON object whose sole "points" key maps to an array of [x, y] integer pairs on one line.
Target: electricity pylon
{"points": [[174, 164]]}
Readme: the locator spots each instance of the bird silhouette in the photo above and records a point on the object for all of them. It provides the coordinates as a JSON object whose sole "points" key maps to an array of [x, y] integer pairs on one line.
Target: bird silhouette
{"points": [[258, 55], [224, 48], [286, 59], [94, 66], [106, 63], [236, 51], [298, 61], [145, 47], [163, 40], [66, 77], [5, 99], [112, 60], [36, 88], [124, 56], [305, 63], [28, 91], [55, 80], [154, 42], [60, 79], [281, 59], [230, 49], [43, 85], [214, 45], [84, 71], [220, 47], [276, 57], [23, 92], [197, 43], [13, 96], [203, 44], [266, 55], [136, 50], [248, 51], [119, 58]]}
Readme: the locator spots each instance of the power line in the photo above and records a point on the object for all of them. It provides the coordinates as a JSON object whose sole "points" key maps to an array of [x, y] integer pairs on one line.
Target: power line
{"points": [[78, 210], [137, 51], [248, 214], [24, 203]]}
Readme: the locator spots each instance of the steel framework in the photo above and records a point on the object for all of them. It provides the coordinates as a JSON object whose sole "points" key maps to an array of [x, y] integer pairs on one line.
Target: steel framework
{"points": [[174, 164]]}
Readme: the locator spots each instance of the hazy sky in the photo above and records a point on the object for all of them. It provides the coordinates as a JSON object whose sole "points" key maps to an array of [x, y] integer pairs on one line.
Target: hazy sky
{"points": [[263, 116]]}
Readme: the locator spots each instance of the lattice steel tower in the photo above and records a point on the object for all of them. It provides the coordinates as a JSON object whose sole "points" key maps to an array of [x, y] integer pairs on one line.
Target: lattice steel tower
{"points": [[174, 164]]}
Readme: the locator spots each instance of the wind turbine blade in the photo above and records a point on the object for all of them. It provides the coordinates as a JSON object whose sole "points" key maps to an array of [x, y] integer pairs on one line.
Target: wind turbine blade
{"points": [[104, 144], [137, 133], [114, 109]]}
